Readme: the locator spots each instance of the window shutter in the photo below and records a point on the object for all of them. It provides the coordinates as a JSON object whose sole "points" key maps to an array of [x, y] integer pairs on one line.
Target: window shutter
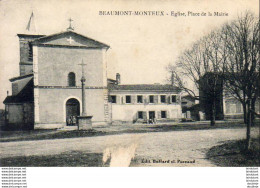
{"points": [[133, 99], [168, 114], [156, 99], [159, 115], [109, 98], [122, 99], [178, 98], [169, 99], [117, 99], [145, 115], [145, 100], [136, 116]]}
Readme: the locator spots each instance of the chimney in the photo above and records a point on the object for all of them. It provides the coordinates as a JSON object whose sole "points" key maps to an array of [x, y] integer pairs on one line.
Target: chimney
{"points": [[118, 80], [172, 79]]}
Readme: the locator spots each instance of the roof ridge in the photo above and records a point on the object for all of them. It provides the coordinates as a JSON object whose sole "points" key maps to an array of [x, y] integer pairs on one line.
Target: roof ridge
{"points": [[38, 40], [20, 77]]}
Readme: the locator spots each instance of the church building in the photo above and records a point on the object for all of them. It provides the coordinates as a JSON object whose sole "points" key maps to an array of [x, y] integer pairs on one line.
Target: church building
{"points": [[47, 93]]}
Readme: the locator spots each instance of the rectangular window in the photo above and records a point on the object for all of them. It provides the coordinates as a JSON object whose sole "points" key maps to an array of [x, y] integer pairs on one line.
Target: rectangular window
{"points": [[163, 114], [232, 108], [238, 107], [174, 98], [30, 55], [139, 99], [113, 98], [128, 99], [140, 115], [163, 98], [227, 107], [151, 99]]}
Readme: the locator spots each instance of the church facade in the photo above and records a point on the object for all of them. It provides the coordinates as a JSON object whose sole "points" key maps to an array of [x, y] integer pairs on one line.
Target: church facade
{"points": [[47, 93]]}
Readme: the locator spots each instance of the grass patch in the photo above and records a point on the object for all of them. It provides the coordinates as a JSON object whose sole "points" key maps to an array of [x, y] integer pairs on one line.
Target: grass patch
{"points": [[66, 159], [233, 154]]}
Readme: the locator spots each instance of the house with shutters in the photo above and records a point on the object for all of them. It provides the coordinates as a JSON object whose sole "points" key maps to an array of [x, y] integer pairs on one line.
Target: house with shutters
{"points": [[48, 91], [144, 103]]}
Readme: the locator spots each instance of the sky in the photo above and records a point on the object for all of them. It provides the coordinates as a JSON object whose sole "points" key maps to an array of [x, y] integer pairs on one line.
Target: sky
{"points": [[141, 46]]}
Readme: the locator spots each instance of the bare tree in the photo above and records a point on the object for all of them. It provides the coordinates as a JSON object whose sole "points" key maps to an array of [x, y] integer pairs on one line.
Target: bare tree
{"points": [[230, 56], [203, 66], [241, 38]]}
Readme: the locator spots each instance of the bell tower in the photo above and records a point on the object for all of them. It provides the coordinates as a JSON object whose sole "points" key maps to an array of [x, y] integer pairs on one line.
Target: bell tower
{"points": [[26, 49]]}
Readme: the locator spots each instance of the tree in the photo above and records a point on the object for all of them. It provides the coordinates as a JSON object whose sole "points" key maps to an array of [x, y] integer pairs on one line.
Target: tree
{"points": [[202, 65], [241, 39], [230, 56]]}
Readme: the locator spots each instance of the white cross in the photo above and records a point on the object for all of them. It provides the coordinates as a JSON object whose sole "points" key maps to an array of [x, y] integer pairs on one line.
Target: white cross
{"points": [[70, 40]]}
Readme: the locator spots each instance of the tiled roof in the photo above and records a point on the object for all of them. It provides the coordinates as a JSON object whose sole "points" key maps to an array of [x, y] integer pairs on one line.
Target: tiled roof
{"points": [[143, 87], [25, 95]]}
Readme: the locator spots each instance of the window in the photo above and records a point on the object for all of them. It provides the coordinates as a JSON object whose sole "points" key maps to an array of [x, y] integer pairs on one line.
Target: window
{"points": [[163, 99], [113, 98], [30, 55], [139, 99], [140, 115], [71, 79], [128, 99], [238, 107], [174, 98], [163, 114], [151, 99]]}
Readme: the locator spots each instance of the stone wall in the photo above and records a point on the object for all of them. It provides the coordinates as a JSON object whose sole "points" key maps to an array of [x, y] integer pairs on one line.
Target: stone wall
{"points": [[20, 115], [55, 63], [52, 104], [51, 68]]}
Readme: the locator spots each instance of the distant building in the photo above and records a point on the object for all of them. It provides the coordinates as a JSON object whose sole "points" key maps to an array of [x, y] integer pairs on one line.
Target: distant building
{"points": [[233, 108], [187, 101], [190, 110], [227, 106]]}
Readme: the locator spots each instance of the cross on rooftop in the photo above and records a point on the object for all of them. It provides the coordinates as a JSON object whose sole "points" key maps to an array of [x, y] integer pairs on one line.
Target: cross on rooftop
{"points": [[70, 40], [70, 28]]}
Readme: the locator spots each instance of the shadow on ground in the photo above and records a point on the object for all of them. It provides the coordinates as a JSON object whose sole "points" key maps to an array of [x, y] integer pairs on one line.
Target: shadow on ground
{"points": [[66, 159], [233, 154]]}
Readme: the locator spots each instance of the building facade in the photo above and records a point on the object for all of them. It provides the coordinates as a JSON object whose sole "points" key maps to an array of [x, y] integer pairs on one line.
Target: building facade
{"points": [[48, 91], [233, 108], [144, 103]]}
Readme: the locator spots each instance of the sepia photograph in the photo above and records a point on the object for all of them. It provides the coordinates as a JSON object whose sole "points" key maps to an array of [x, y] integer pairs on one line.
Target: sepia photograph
{"points": [[137, 83]]}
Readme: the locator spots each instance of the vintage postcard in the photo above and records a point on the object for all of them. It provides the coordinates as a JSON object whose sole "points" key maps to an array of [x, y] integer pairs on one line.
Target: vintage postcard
{"points": [[129, 83]]}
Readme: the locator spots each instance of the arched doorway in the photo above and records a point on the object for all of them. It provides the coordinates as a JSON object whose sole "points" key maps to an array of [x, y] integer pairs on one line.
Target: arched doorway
{"points": [[72, 111]]}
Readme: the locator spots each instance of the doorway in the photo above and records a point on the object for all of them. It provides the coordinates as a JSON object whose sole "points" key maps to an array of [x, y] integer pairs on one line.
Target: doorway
{"points": [[151, 116], [72, 111]]}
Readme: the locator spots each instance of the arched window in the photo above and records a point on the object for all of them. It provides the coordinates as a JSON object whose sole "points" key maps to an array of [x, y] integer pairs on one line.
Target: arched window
{"points": [[71, 79]]}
